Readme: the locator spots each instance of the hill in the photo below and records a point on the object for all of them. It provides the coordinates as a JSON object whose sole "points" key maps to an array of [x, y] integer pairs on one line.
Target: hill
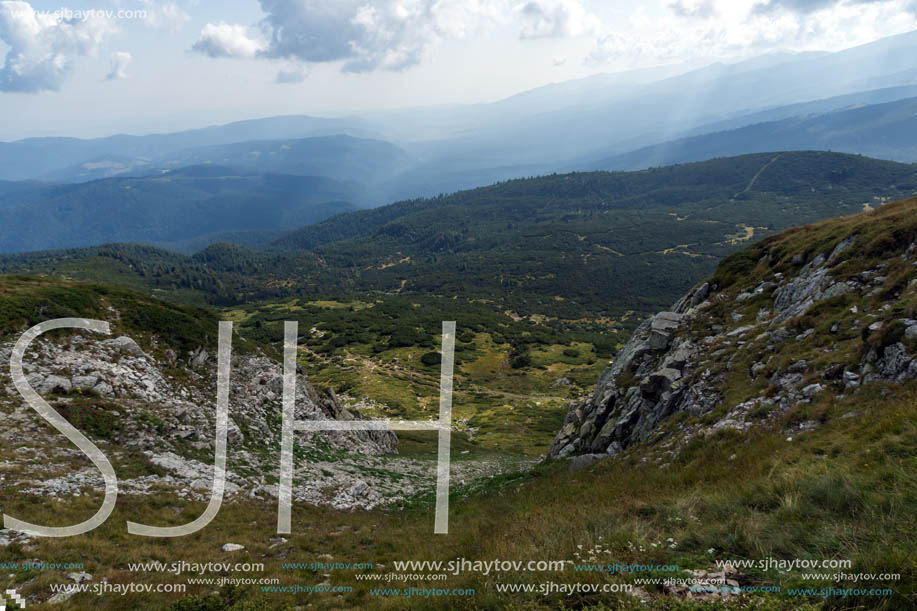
{"points": [[75, 159], [179, 205], [878, 130], [338, 157], [790, 439], [562, 245]]}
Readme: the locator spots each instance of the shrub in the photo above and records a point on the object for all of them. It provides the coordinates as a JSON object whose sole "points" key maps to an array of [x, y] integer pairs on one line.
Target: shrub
{"points": [[431, 358]]}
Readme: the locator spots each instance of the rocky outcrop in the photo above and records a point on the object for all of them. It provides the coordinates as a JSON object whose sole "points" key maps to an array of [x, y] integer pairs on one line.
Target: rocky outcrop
{"points": [[165, 410], [683, 361], [152, 413]]}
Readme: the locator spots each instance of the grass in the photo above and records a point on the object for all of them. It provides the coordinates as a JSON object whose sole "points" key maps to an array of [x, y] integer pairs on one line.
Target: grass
{"points": [[845, 490]]}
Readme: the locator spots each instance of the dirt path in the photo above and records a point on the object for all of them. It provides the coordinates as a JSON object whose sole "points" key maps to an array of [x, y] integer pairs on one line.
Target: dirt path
{"points": [[751, 182]]}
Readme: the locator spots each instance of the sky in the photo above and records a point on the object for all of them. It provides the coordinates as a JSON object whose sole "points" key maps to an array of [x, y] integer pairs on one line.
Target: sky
{"points": [[97, 67]]}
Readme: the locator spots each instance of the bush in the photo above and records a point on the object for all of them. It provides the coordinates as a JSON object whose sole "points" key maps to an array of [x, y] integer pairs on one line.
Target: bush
{"points": [[431, 358]]}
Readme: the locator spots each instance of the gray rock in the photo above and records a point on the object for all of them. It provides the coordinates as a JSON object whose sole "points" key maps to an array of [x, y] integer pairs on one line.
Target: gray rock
{"points": [[85, 382], [52, 384], [199, 358], [851, 379], [841, 248], [740, 331], [911, 332], [811, 390], [125, 345], [894, 363], [700, 294], [584, 460], [662, 329], [79, 577]]}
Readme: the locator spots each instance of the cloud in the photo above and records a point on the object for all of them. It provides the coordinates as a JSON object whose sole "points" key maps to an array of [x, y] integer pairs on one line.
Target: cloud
{"points": [[42, 48], [740, 30], [119, 62], [227, 40], [165, 16], [701, 9], [556, 19], [364, 35], [804, 7], [559, 61]]}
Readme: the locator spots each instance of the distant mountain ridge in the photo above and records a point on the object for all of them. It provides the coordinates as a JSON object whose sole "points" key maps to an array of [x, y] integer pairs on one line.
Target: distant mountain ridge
{"points": [[880, 130], [611, 244], [566, 126], [179, 205]]}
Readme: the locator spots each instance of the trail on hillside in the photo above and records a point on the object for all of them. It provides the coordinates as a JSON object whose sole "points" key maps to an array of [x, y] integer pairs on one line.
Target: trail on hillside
{"points": [[751, 182]]}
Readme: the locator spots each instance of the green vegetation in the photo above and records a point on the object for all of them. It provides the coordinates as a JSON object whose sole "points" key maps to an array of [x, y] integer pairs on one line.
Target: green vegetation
{"points": [[573, 245], [27, 300], [513, 375], [845, 490]]}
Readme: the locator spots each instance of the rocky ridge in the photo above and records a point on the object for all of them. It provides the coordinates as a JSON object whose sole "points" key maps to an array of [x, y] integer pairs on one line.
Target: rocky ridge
{"points": [[154, 418], [823, 309]]}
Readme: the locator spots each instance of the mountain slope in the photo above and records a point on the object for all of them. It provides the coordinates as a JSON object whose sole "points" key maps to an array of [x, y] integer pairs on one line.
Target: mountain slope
{"points": [[79, 159], [562, 245], [337, 157], [880, 130], [788, 325], [178, 205]]}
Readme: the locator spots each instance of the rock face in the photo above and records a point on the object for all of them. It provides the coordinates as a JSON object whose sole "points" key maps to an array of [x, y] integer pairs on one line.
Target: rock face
{"points": [[167, 414], [717, 338], [152, 412]]}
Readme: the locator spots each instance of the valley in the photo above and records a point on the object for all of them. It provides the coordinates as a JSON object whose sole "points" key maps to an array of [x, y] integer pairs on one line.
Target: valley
{"points": [[810, 448], [677, 242]]}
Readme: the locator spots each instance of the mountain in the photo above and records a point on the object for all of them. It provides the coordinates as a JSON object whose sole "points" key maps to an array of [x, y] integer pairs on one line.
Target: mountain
{"points": [[74, 159], [802, 438], [337, 157], [608, 244], [879, 130], [789, 325], [172, 206], [614, 119], [460, 146]]}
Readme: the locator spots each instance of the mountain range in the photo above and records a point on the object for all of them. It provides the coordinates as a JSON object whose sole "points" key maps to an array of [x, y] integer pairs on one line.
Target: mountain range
{"points": [[563, 245], [860, 100]]}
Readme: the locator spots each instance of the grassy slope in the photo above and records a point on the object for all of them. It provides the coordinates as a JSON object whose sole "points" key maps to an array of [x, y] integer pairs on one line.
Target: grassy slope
{"points": [[845, 489]]}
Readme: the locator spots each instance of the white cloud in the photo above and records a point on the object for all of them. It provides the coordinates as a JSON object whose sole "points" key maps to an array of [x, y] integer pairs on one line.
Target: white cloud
{"points": [[740, 28], [364, 35], [42, 48], [227, 40], [556, 19], [165, 15], [119, 63], [702, 9]]}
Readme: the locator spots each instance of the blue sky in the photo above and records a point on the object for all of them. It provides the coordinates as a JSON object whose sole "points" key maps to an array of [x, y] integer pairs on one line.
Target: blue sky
{"points": [[189, 63]]}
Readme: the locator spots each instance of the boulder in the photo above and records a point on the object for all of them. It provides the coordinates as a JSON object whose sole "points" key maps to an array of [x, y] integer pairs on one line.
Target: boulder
{"points": [[125, 345], [53, 384]]}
